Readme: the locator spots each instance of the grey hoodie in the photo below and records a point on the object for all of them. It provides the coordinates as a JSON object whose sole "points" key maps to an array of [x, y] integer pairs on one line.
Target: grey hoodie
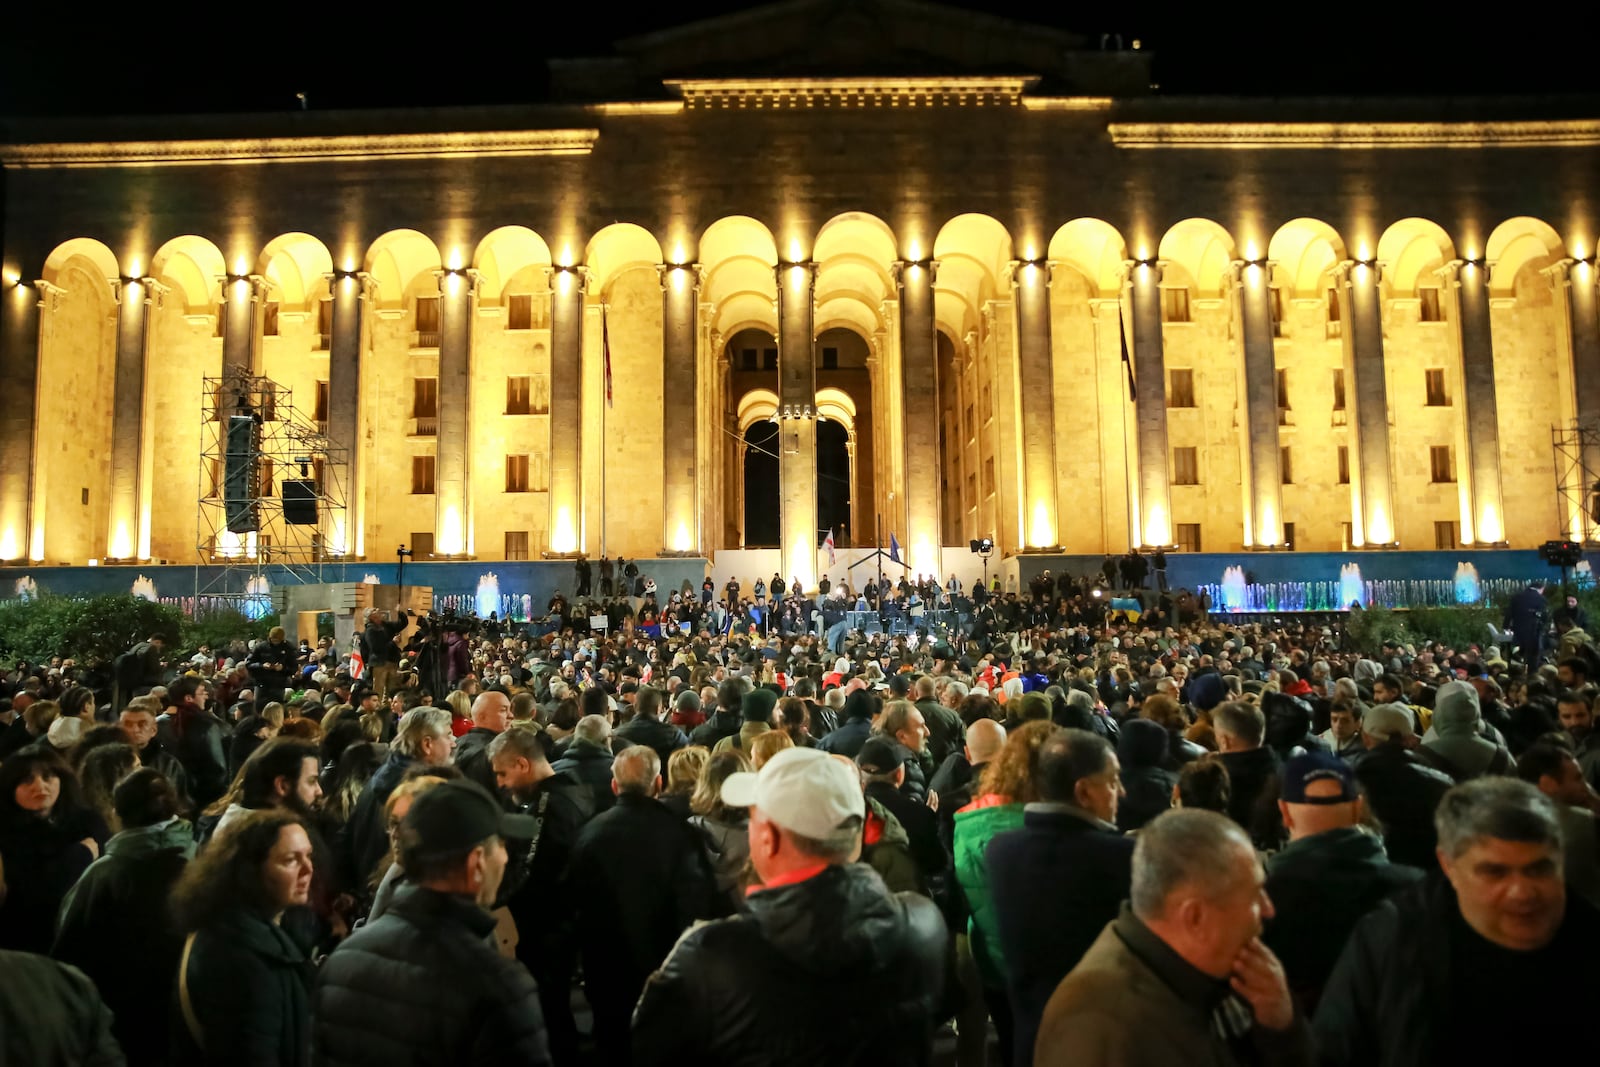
{"points": [[1455, 731]]}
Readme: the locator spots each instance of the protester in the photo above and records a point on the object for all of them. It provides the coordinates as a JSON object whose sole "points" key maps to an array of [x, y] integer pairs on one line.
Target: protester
{"points": [[48, 837]]}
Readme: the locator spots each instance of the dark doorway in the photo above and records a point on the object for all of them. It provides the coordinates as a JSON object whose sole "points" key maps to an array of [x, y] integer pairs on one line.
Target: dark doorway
{"points": [[833, 482], [761, 486]]}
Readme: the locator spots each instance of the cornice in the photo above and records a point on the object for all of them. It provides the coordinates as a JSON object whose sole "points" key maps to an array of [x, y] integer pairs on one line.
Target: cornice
{"points": [[851, 92], [494, 143], [1254, 136]]}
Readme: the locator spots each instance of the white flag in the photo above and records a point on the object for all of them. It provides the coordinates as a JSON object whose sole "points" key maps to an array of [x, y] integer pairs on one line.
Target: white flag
{"points": [[827, 543]]}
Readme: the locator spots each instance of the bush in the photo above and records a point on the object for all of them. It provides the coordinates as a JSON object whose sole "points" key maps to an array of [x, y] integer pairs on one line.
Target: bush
{"points": [[1370, 628], [1455, 627], [94, 631], [219, 629]]}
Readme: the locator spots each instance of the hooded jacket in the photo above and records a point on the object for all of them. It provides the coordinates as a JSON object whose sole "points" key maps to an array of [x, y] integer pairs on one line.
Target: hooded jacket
{"points": [[836, 937], [976, 825], [590, 764], [1289, 726], [1456, 746], [1141, 749]]}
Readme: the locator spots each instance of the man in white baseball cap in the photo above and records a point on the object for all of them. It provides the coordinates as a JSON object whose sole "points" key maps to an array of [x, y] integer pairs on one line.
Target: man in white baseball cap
{"points": [[819, 931]]}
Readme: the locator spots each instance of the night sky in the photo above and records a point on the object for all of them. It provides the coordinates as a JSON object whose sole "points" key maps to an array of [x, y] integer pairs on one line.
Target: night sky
{"points": [[348, 55]]}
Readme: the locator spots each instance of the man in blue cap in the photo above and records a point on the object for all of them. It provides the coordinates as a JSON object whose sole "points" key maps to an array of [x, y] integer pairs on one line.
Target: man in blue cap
{"points": [[1332, 872]]}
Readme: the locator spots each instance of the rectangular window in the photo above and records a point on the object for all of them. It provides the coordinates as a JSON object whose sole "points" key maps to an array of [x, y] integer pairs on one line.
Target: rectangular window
{"points": [[519, 395], [1288, 536], [972, 490], [519, 311], [1344, 465], [988, 476], [1445, 534], [769, 359], [1283, 390], [969, 423], [269, 319], [422, 545], [1180, 389], [1338, 390], [1437, 397], [1175, 304], [1188, 536], [1442, 465], [516, 544], [1277, 311], [1432, 310], [421, 475], [1335, 314], [267, 476], [324, 324], [516, 474], [830, 358], [427, 322], [321, 410], [1347, 536], [1285, 466], [424, 398], [1185, 466], [748, 359]]}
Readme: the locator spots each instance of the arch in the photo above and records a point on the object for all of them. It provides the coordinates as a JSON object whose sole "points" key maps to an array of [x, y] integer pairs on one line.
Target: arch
{"points": [[1094, 249], [101, 258], [504, 253], [1305, 250], [848, 313], [981, 240], [396, 259], [1411, 250], [738, 235], [758, 405], [1515, 244], [857, 234], [1203, 249], [620, 247], [837, 405], [297, 265], [193, 266], [740, 257]]}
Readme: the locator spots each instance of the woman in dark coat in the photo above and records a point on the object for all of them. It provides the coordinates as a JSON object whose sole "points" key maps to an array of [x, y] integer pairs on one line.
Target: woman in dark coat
{"points": [[1142, 749], [242, 981], [48, 836]]}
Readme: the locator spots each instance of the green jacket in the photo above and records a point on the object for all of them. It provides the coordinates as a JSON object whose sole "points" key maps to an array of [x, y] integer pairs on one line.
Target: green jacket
{"points": [[976, 825], [887, 850]]}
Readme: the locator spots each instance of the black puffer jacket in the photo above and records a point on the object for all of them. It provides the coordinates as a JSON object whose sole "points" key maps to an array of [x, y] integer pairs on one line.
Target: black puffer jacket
{"points": [[421, 985], [1403, 793], [1141, 749], [836, 938], [590, 764], [1289, 726]]}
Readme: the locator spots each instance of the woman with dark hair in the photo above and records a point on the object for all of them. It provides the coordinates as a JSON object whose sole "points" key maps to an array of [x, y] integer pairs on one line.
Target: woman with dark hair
{"points": [[725, 829], [48, 836], [342, 788], [114, 925], [102, 770], [242, 981], [794, 719]]}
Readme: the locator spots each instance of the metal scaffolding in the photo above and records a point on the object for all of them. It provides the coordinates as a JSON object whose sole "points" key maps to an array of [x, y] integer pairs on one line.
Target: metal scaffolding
{"points": [[245, 540], [1577, 456]]}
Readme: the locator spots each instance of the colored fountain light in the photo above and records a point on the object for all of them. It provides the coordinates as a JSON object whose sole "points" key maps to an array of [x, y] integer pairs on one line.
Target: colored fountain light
{"points": [[1351, 591], [257, 597], [488, 598], [1469, 590], [371, 579], [145, 589], [1233, 589], [27, 588]]}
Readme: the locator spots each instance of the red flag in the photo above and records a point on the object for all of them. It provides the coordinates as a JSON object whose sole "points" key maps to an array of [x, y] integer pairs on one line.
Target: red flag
{"points": [[605, 340]]}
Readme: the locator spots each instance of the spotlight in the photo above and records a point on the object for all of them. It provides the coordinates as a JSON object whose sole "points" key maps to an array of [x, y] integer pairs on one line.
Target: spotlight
{"points": [[982, 547]]}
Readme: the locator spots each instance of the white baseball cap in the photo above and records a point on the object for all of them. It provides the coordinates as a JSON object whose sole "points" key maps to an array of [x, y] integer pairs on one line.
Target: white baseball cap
{"points": [[802, 790]]}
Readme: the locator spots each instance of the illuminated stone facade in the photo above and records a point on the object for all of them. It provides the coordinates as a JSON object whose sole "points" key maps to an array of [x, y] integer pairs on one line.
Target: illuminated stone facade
{"points": [[1352, 319]]}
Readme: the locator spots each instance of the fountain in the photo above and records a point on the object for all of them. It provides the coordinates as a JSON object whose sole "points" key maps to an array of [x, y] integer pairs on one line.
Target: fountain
{"points": [[145, 589], [257, 597], [371, 579], [1350, 588], [27, 588], [1468, 589], [1233, 589], [1583, 574], [488, 598]]}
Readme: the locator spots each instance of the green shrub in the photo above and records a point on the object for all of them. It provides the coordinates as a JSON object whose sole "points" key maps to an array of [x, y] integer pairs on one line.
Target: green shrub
{"points": [[218, 629], [1456, 627], [94, 630]]}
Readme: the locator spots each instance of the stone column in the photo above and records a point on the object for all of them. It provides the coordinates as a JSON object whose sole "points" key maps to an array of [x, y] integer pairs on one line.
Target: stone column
{"points": [[680, 485], [797, 420], [21, 309], [453, 466], [240, 295], [919, 378], [566, 407], [127, 414], [1150, 409], [348, 288], [1118, 442], [1480, 409], [1030, 284], [1264, 479], [1364, 373], [1578, 279]]}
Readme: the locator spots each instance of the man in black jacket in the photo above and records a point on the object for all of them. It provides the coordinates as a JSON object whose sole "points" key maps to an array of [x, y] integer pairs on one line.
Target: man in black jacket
{"points": [[822, 932], [647, 727], [1453, 970], [381, 655], [421, 984], [194, 737], [725, 720], [1252, 771], [639, 877], [1400, 789], [491, 714]]}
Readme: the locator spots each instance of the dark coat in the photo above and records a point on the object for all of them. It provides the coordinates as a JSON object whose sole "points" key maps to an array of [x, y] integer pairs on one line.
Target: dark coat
{"points": [[1403, 794], [472, 757], [1387, 1001], [921, 824], [1142, 749], [420, 985], [664, 737], [837, 938], [722, 723], [42, 860], [366, 835], [272, 681], [196, 739], [946, 732], [247, 980], [1320, 887], [115, 927], [1253, 802], [848, 738], [50, 1014], [591, 765], [1054, 885]]}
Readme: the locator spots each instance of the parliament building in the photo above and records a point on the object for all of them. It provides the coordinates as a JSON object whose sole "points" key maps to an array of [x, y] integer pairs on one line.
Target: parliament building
{"points": [[979, 266]]}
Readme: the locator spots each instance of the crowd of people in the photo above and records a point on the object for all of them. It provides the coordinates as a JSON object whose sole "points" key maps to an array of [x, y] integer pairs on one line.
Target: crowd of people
{"points": [[1051, 835]]}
